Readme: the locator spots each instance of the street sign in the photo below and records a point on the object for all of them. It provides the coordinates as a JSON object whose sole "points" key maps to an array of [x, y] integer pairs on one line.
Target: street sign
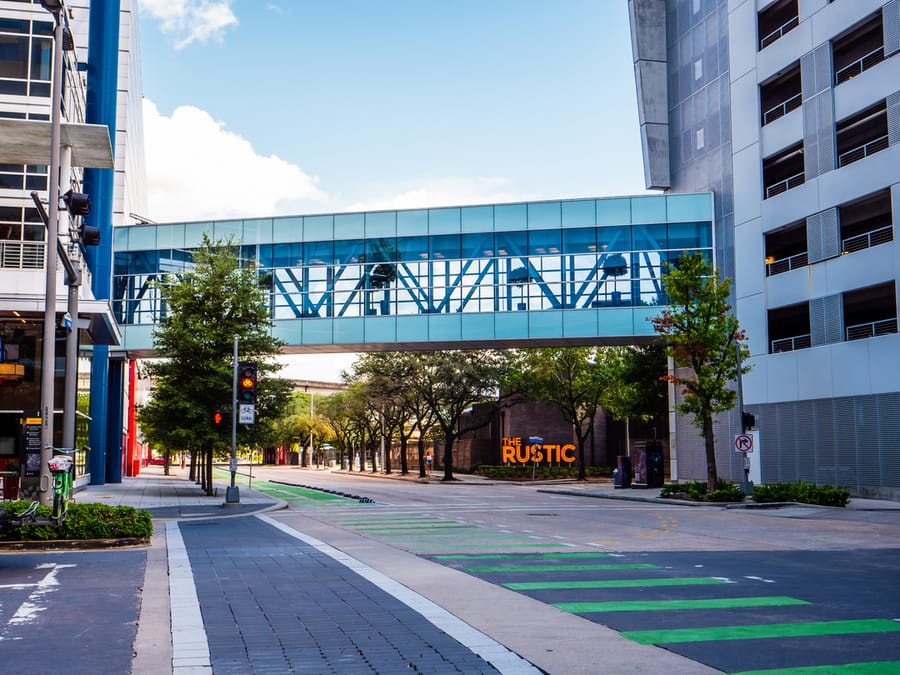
{"points": [[743, 443], [246, 414]]}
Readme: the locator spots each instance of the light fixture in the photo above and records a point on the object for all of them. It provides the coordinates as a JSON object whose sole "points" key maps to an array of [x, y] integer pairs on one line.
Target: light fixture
{"points": [[53, 6]]}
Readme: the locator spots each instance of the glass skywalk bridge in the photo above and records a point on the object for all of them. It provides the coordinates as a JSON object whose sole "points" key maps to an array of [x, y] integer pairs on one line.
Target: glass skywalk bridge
{"points": [[584, 271]]}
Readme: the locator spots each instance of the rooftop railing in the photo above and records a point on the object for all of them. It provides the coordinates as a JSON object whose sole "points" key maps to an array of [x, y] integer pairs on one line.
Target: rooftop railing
{"points": [[872, 329], [787, 264], [851, 70], [787, 184], [868, 239], [863, 151], [782, 109], [22, 255], [791, 344], [776, 34]]}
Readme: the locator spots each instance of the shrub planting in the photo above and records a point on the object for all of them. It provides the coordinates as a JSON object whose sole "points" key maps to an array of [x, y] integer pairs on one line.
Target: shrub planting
{"points": [[84, 521], [805, 493]]}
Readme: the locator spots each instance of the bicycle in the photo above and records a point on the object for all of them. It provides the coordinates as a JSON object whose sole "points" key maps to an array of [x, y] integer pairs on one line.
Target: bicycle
{"points": [[60, 466]]}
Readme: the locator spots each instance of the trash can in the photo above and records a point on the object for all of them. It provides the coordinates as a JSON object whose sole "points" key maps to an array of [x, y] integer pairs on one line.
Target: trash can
{"points": [[655, 466], [624, 469]]}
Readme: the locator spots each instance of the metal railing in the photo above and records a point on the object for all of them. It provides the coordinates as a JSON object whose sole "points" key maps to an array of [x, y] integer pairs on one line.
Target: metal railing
{"points": [[872, 329], [22, 255], [788, 25], [851, 70], [868, 239], [787, 184], [863, 151], [787, 264], [782, 109], [792, 343]]}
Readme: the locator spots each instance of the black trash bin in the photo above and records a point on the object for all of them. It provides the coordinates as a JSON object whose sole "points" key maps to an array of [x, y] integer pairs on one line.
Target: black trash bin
{"points": [[624, 467], [655, 466]]}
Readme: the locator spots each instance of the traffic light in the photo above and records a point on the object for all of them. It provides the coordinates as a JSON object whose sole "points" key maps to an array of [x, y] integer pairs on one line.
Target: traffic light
{"points": [[220, 420], [749, 421], [247, 374], [79, 204]]}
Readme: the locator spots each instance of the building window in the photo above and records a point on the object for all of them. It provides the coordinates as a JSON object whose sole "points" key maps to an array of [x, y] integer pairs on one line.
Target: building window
{"points": [[26, 54], [783, 171], [862, 134], [866, 222], [789, 328], [786, 249], [870, 312], [775, 20], [780, 95], [859, 49]]}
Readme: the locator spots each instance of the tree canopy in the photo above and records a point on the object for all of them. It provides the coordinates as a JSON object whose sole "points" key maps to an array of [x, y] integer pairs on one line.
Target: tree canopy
{"points": [[205, 307], [704, 337]]}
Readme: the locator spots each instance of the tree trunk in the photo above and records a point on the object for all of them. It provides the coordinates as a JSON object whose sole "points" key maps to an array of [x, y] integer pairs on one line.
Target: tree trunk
{"points": [[447, 458], [421, 447], [712, 478], [404, 464]]}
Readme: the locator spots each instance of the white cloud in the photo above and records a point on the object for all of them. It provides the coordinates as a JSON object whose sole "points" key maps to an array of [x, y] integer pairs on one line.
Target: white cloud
{"points": [[448, 191], [198, 170], [191, 20]]}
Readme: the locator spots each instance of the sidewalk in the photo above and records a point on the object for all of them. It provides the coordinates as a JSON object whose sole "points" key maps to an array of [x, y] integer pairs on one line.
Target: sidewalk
{"points": [[174, 496]]}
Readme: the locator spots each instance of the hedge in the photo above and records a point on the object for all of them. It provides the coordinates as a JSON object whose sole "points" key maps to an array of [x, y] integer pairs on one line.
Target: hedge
{"points": [[805, 493], [84, 521]]}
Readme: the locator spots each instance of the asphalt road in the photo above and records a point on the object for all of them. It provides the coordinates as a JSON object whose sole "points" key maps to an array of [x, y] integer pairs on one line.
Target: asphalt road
{"points": [[738, 590], [571, 584]]}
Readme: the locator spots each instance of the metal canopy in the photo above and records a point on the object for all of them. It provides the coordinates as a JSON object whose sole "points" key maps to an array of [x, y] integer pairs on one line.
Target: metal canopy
{"points": [[28, 142]]}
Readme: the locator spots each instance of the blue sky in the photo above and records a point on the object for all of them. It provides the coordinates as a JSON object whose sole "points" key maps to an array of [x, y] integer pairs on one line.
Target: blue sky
{"points": [[354, 104], [271, 107]]}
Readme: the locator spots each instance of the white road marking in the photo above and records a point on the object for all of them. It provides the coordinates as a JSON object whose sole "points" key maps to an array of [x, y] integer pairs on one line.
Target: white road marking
{"points": [[190, 648], [765, 581], [35, 603]]}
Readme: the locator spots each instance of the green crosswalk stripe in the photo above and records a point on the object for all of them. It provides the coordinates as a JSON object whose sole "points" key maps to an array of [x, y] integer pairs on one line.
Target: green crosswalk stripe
{"points": [[418, 528], [518, 556], [500, 545], [562, 568], [756, 632], [611, 583], [871, 668], [658, 605]]}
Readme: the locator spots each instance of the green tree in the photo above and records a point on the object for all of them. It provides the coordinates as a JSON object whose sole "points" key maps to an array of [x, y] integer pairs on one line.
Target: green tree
{"points": [[452, 382], [703, 336], [206, 307], [636, 390], [572, 380], [386, 375]]}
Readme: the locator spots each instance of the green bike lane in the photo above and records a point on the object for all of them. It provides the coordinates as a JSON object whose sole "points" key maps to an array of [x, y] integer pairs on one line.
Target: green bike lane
{"points": [[784, 612]]}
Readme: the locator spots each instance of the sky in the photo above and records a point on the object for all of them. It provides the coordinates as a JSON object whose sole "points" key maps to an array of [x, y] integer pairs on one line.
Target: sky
{"points": [[258, 108]]}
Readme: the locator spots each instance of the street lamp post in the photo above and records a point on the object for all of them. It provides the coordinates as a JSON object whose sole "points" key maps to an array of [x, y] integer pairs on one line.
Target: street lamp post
{"points": [[48, 355]]}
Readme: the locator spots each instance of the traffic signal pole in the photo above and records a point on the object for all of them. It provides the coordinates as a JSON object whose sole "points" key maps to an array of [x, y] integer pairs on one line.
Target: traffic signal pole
{"points": [[232, 494]]}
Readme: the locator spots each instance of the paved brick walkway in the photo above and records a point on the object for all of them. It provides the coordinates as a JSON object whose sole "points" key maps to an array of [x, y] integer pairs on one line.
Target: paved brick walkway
{"points": [[272, 604]]}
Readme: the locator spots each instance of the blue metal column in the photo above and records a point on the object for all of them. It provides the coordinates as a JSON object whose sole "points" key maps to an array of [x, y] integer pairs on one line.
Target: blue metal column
{"points": [[105, 458]]}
